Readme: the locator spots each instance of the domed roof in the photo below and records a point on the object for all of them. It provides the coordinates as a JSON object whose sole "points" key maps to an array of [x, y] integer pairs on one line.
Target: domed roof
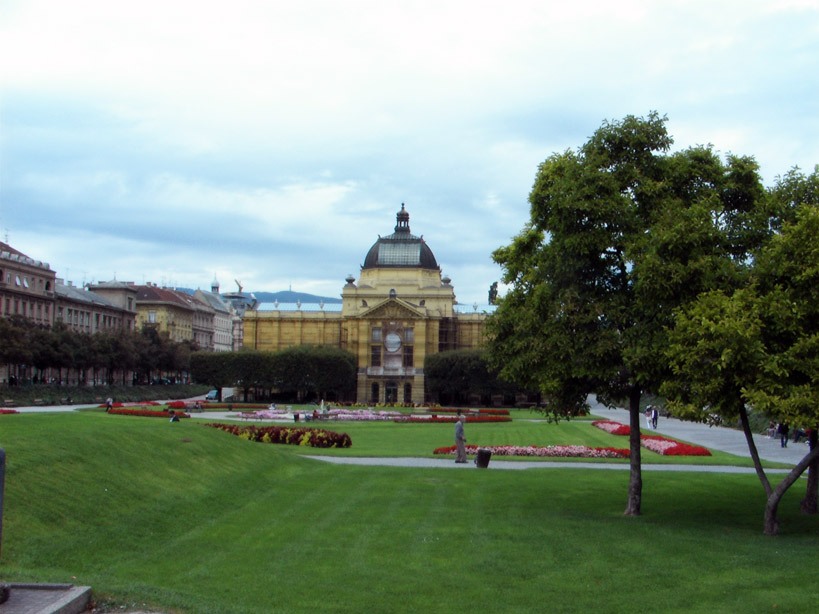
{"points": [[400, 249]]}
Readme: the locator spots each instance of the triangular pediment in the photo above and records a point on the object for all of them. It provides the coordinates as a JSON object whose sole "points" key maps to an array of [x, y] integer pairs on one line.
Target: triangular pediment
{"points": [[393, 309]]}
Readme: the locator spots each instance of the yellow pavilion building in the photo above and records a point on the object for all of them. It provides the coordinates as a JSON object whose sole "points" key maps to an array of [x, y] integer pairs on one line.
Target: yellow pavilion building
{"points": [[401, 310]]}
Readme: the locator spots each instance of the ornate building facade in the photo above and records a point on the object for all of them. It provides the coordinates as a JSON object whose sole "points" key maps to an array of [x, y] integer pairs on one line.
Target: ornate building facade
{"points": [[26, 286], [401, 310]]}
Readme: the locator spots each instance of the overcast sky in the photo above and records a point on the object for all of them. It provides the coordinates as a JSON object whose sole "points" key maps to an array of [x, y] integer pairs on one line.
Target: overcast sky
{"points": [[273, 141]]}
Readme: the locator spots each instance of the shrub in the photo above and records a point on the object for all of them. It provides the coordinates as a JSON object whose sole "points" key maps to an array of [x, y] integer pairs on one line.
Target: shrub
{"points": [[316, 438]]}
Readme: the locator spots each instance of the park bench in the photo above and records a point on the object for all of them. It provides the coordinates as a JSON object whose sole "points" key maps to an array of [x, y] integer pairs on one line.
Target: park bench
{"points": [[9, 403], [39, 401]]}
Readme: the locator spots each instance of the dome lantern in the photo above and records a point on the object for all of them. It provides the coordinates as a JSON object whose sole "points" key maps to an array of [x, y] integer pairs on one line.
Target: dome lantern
{"points": [[401, 249]]}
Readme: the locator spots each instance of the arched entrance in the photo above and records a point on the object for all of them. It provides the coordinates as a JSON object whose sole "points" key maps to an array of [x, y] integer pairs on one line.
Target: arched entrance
{"points": [[391, 392]]}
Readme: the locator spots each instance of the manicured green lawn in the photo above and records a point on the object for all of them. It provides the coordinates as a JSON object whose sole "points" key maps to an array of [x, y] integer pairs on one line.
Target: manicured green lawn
{"points": [[188, 517]]}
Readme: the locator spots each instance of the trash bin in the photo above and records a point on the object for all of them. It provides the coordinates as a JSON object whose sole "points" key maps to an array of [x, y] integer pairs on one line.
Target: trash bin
{"points": [[482, 458]]}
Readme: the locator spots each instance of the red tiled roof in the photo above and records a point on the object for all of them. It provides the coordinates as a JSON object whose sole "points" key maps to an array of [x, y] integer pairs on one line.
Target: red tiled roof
{"points": [[154, 294]]}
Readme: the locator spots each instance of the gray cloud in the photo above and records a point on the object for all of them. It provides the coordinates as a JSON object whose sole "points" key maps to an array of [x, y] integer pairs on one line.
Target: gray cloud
{"points": [[272, 143]]}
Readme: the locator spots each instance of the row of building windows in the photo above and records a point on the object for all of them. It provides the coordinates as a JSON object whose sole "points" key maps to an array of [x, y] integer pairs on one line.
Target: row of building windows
{"points": [[25, 283], [30, 309], [77, 317]]}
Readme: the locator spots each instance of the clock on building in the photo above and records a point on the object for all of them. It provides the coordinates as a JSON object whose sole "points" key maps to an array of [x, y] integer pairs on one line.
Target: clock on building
{"points": [[392, 342]]}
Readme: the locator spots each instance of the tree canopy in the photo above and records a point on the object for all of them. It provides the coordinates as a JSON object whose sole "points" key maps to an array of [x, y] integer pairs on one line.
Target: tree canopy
{"points": [[758, 347], [621, 233]]}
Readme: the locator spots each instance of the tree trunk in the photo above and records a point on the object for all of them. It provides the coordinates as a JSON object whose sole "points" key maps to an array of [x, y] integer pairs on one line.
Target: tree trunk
{"points": [[635, 482], [771, 520], [749, 438], [809, 503]]}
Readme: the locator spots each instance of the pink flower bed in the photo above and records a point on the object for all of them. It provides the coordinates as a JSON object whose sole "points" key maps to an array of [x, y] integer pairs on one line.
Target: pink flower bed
{"points": [[491, 412], [615, 428], [656, 443], [543, 451], [435, 419], [669, 447], [363, 415]]}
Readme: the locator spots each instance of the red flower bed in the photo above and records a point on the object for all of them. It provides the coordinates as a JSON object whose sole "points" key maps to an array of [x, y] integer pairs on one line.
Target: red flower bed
{"points": [[543, 451], [669, 447], [134, 404], [656, 443], [491, 412], [147, 413], [615, 428], [451, 419], [316, 438], [9, 411]]}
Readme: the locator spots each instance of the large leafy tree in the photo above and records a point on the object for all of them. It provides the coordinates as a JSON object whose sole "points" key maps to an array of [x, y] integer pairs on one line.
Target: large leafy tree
{"points": [[621, 232], [758, 347]]}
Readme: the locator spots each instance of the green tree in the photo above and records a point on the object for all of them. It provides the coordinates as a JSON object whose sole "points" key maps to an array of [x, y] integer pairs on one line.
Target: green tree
{"points": [[456, 374], [620, 234], [15, 349], [254, 369], [333, 371], [795, 189], [757, 347], [217, 369]]}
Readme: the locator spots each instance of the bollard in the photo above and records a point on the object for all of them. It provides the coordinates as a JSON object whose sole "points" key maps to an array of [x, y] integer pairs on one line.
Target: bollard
{"points": [[2, 485], [4, 589]]}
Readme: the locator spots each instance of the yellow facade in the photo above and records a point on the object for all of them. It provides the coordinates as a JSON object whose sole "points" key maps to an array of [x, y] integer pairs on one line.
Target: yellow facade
{"points": [[400, 311], [169, 312]]}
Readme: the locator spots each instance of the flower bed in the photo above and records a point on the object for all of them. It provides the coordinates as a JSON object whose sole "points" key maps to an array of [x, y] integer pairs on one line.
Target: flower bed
{"points": [[236, 406], [435, 419], [316, 438], [543, 451], [491, 412], [656, 443], [362, 415], [615, 428], [391, 405], [132, 404], [146, 413], [9, 411], [669, 447]]}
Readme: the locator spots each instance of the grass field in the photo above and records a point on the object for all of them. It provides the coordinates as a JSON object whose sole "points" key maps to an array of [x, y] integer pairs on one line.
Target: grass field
{"points": [[192, 519]]}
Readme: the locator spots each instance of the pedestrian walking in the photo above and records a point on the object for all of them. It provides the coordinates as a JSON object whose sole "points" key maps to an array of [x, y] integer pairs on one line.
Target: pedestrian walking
{"points": [[460, 439], [783, 431]]}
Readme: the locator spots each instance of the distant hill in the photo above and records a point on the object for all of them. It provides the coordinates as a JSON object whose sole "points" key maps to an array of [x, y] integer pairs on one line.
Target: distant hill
{"points": [[283, 296]]}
